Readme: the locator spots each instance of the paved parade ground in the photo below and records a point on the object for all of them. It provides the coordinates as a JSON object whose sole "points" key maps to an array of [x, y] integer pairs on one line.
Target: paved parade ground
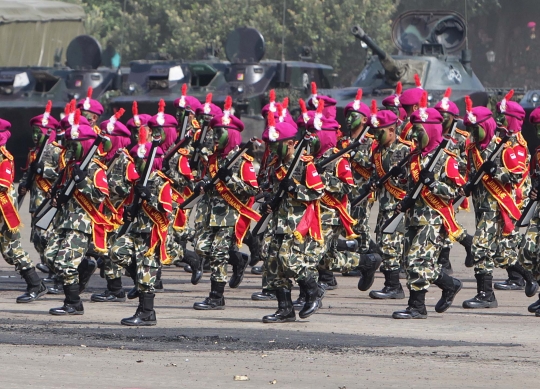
{"points": [[352, 342]]}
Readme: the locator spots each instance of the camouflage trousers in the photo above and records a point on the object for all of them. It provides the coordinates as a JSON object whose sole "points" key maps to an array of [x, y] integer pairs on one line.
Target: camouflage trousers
{"points": [[490, 247], [12, 251], [40, 238], [66, 251], [529, 250], [361, 214], [177, 239], [270, 261], [295, 259], [214, 244], [112, 270], [422, 247], [134, 246], [332, 259], [391, 245]]}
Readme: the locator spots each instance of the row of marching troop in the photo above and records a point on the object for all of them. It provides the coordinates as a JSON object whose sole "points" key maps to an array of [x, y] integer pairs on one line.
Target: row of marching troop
{"points": [[119, 198]]}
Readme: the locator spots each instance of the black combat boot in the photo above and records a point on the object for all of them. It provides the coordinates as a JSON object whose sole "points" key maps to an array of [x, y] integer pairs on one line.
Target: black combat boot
{"points": [[347, 245], [254, 243], [265, 295], [50, 277], [194, 262], [450, 287], [416, 308], [285, 312], [257, 270], [101, 266], [35, 288], [57, 287], [301, 300], [215, 300], [239, 262], [42, 268], [374, 248], [467, 244], [444, 261], [534, 306], [514, 281], [369, 263], [114, 293], [131, 270], [86, 268], [314, 296], [531, 286], [158, 285], [145, 314], [327, 280], [485, 297], [72, 303], [392, 287]]}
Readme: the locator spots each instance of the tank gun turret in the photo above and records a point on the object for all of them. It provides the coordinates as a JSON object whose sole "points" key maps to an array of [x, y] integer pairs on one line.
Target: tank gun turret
{"points": [[394, 70]]}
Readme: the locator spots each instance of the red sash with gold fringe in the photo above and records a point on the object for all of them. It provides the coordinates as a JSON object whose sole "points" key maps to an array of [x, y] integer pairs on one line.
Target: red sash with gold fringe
{"points": [[158, 235], [508, 207], [7, 207], [100, 224], [341, 207], [398, 193], [247, 214], [444, 209]]}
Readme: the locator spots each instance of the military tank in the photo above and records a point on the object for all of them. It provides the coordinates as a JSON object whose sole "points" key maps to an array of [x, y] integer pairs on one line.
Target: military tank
{"points": [[428, 43], [24, 91]]}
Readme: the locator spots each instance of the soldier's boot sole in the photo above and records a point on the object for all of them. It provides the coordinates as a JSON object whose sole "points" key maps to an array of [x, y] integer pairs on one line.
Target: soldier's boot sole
{"points": [[395, 294], [409, 314], [275, 318], [468, 304]]}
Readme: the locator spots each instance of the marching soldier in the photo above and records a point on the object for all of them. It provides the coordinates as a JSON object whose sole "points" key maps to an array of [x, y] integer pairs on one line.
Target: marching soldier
{"points": [[81, 221], [450, 113], [510, 116], [529, 254], [230, 202], [494, 201], [91, 109], [10, 223], [121, 177], [431, 217], [135, 123], [410, 101], [146, 241], [390, 150]]}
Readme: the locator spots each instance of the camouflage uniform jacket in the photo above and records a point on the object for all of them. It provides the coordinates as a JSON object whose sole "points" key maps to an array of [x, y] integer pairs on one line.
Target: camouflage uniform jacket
{"points": [[445, 188], [390, 157], [121, 176], [160, 199], [180, 173], [243, 185], [483, 201], [52, 153], [7, 175], [94, 187], [293, 207], [360, 160], [338, 182]]}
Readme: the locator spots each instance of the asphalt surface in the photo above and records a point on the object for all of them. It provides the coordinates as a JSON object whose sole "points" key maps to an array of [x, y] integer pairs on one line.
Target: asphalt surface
{"points": [[351, 340]]}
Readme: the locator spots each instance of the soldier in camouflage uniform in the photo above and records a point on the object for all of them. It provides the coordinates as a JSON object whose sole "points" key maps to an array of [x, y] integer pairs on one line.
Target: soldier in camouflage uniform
{"points": [[183, 180], [410, 102], [121, 176], [42, 174], [80, 221], [493, 199], [10, 223], [450, 113], [431, 217], [390, 150], [529, 254], [146, 242], [509, 120], [230, 202], [297, 227], [355, 121], [135, 123]]}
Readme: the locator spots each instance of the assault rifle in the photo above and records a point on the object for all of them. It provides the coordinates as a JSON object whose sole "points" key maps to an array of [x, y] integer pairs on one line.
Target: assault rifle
{"points": [[481, 172], [391, 225], [49, 211], [133, 209], [192, 200], [31, 174]]}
